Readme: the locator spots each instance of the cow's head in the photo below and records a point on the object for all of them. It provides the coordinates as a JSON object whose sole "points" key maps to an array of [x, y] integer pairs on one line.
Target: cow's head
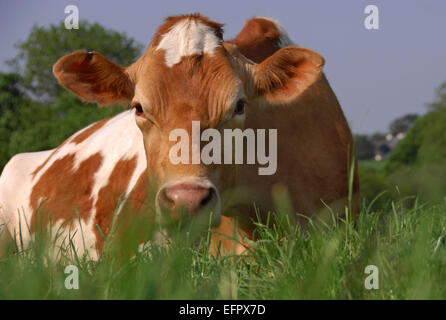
{"points": [[189, 74]]}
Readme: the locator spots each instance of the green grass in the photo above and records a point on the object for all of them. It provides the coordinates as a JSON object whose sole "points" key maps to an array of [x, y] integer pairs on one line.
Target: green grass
{"points": [[406, 241], [372, 164]]}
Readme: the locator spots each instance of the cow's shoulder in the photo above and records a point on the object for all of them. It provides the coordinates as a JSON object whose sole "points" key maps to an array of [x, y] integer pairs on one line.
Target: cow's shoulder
{"points": [[87, 173], [108, 154], [108, 141]]}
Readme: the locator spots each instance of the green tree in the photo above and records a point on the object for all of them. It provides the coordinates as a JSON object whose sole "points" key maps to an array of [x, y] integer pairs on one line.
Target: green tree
{"points": [[377, 136], [11, 94], [36, 113], [12, 101], [45, 45], [440, 103], [46, 127], [417, 164], [425, 142], [402, 124]]}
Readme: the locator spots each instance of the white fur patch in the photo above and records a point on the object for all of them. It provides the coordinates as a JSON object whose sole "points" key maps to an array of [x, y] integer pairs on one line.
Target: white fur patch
{"points": [[119, 139], [284, 37], [187, 37]]}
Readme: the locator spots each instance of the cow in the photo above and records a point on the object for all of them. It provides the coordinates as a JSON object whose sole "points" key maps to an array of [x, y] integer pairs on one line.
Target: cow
{"points": [[258, 80]]}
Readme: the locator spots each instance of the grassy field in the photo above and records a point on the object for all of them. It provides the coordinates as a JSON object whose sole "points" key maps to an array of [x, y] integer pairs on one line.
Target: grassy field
{"points": [[405, 240]]}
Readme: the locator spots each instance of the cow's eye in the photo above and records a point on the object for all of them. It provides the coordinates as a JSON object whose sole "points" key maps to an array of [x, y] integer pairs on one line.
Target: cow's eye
{"points": [[240, 107], [139, 110]]}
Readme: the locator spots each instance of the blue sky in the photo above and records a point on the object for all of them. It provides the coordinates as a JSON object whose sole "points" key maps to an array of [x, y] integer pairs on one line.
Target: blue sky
{"points": [[377, 75]]}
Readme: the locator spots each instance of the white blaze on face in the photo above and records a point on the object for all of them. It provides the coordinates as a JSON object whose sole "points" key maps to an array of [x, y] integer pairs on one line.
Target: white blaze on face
{"points": [[187, 37]]}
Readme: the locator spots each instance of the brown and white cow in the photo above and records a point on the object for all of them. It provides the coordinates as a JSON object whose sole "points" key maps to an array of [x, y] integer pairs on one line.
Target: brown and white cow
{"points": [[188, 73]]}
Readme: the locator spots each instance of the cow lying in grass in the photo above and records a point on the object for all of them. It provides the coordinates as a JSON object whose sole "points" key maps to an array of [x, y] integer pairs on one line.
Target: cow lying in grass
{"points": [[259, 80]]}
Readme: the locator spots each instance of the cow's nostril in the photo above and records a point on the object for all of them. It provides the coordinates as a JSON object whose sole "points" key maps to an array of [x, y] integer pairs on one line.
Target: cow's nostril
{"points": [[208, 198]]}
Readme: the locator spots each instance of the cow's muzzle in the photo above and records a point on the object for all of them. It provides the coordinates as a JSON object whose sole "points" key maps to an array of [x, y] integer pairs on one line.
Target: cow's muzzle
{"points": [[188, 198]]}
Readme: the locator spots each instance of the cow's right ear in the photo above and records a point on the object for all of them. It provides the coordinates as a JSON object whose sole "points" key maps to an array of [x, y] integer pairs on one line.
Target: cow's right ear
{"points": [[94, 78]]}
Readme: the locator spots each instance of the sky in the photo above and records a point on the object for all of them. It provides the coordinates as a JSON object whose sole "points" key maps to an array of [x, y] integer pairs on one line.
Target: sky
{"points": [[377, 75]]}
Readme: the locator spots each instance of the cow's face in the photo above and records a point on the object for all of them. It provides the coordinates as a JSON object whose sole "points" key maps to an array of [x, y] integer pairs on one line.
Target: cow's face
{"points": [[204, 89], [189, 74]]}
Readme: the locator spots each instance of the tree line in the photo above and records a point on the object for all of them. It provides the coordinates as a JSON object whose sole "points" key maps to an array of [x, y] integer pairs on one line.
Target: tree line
{"points": [[36, 113]]}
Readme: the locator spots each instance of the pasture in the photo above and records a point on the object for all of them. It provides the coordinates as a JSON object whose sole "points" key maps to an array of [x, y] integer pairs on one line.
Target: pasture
{"points": [[404, 239]]}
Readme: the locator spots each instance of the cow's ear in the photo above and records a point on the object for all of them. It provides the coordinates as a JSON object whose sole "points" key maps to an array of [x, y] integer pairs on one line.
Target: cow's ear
{"points": [[94, 78], [260, 38], [282, 77]]}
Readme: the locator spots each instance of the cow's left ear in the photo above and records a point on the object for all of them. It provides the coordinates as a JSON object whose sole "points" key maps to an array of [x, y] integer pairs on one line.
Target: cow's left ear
{"points": [[94, 78], [282, 77]]}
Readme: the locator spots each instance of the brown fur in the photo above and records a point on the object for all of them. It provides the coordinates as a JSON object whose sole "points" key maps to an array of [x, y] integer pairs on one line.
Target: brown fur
{"points": [[93, 78], [315, 145], [138, 196], [286, 74], [40, 167], [109, 196], [84, 135], [77, 139], [258, 39], [229, 238], [61, 190]]}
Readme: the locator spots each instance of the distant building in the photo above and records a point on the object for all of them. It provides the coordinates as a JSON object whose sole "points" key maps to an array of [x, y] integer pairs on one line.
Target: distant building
{"points": [[384, 146]]}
